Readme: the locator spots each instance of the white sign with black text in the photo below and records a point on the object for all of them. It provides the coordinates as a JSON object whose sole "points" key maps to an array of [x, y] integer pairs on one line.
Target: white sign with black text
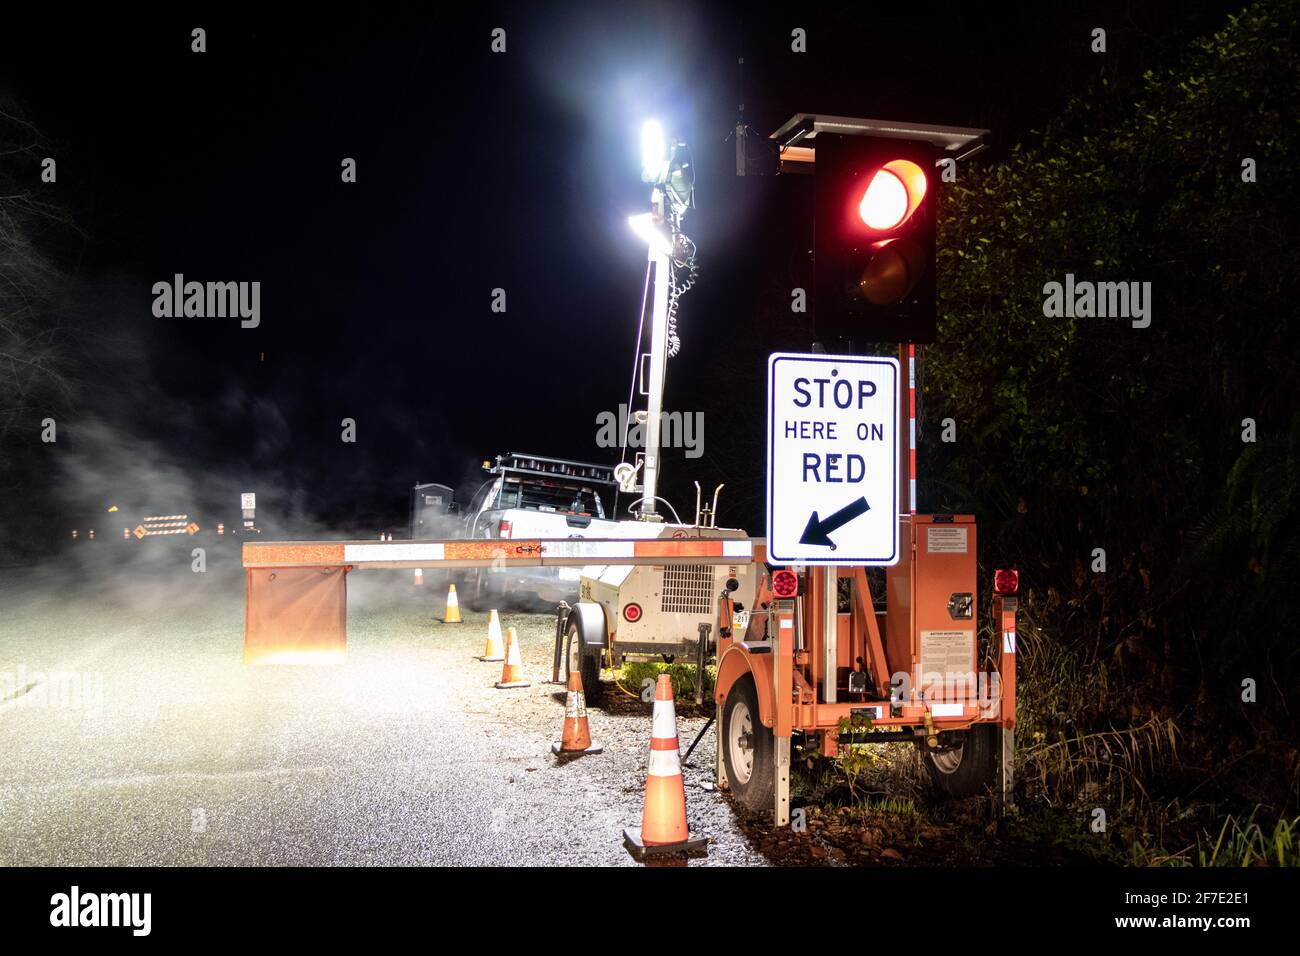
{"points": [[832, 459]]}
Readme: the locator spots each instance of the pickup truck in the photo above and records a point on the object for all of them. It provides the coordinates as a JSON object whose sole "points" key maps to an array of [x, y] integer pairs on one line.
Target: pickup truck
{"points": [[530, 496]]}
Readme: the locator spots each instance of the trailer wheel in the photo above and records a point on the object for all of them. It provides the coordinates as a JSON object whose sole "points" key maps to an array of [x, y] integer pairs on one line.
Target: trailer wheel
{"points": [[968, 769], [470, 591], [586, 660], [748, 750]]}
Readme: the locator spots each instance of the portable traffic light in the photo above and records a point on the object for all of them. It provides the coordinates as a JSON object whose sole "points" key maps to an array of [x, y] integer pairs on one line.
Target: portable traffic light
{"points": [[874, 239]]}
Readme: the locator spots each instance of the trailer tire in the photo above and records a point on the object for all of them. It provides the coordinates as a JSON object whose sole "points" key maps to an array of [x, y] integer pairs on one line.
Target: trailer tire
{"points": [[470, 590], [484, 591], [748, 748], [588, 662], [968, 770]]}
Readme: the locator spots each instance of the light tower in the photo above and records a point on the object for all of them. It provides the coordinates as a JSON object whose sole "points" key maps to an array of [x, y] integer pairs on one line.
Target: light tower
{"points": [[671, 263]]}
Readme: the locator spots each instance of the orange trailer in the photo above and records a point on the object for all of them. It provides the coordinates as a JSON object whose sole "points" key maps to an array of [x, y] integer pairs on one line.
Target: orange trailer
{"points": [[911, 672], [829, 661]]}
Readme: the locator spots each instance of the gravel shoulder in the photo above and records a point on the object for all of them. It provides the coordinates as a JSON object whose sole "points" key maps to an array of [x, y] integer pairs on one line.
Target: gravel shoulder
{"points": [[174, 753]]}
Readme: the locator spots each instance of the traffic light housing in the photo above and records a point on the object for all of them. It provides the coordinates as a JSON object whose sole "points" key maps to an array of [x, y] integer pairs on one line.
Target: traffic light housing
{"points": [[874, 239]]}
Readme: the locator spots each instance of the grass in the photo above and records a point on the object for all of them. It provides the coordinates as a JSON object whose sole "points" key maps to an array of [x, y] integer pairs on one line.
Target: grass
{"points": [[1238, 843], [1248, 844], [1110, 766], [633, 675]]}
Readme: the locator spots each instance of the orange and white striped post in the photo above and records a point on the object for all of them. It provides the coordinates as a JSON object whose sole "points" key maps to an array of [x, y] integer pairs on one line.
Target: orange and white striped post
{"points": [[664, 829], [911, 426]]}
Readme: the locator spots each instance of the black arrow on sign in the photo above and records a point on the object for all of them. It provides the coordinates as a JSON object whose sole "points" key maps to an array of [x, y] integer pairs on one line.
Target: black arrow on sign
{"points": [[817, 531]]}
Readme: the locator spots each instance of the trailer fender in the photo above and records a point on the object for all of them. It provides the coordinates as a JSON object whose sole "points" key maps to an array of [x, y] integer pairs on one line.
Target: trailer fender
{"points": [[590, 618], [734, 665]]}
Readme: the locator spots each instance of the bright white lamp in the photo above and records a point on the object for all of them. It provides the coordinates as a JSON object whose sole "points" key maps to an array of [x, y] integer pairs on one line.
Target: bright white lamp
{"points": [[658, 240], [654, 151]]}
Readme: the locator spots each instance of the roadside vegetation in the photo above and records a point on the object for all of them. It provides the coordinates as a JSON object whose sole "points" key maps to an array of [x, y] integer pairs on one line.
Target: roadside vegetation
{"points": [[1160, 690]]}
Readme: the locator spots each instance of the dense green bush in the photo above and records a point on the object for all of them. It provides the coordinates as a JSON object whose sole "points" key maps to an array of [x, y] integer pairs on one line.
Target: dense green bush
{"points": [[1076, 434]]}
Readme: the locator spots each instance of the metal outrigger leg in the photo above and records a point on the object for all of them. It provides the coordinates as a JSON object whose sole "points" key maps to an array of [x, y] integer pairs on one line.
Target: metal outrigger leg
{"points": [[781, 753], [1007, 767], [781, 798], [561, 616], [701, 655]]}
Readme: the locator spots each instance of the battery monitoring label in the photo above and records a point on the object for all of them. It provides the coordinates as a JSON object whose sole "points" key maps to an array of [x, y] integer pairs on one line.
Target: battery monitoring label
{"points": [[947, 652], [946, 540]]}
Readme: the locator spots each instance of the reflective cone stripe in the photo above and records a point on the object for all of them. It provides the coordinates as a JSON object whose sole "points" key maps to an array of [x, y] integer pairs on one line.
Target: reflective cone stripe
{"points": [[512, 672], [664, 725], [453, 607], [663, 815], [577, 733], [495, 648]]}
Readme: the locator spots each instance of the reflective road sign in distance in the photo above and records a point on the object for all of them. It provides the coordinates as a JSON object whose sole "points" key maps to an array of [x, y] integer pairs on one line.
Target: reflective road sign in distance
{"points": [[832, 459]]}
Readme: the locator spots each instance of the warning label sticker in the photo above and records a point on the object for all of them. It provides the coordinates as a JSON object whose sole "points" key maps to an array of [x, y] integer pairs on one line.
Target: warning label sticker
{"points": [[947, 540], [947, 652]]}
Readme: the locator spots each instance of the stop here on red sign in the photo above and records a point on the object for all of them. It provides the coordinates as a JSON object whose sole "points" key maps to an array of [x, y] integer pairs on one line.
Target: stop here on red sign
{"points": [[833, 459]]}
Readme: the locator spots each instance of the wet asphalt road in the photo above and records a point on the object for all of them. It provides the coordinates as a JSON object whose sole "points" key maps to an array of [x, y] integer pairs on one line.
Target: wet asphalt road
{"points": [[158, 747]]}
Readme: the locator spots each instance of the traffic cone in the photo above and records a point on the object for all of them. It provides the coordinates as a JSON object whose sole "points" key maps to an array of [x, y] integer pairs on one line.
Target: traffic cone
{"points": [[512, 672], [453, 607], [419, 577], [495, 650], [663, 827], [577, 735]]}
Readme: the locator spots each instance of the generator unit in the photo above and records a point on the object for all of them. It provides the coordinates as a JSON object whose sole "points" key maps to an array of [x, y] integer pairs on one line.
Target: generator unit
{"points": [[656, 611]]}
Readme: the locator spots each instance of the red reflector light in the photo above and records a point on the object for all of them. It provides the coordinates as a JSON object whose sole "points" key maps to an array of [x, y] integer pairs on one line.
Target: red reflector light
{"points": [[1006, 581], [503, 529], [785, 583], [631, 613]]}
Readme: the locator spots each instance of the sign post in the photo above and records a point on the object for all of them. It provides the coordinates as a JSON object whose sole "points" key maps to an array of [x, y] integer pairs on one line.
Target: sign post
{"points": [[832, 468]]}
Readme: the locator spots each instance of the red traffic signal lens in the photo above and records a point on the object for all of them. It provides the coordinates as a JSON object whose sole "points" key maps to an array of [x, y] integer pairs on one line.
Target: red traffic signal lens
{"points": [[1006, 581], [884, 204], [893, 194], [785, 583], [631, 613]]}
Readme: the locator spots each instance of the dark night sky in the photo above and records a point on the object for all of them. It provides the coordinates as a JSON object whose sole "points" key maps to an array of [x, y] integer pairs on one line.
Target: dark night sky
{"points": [[475, 171]]}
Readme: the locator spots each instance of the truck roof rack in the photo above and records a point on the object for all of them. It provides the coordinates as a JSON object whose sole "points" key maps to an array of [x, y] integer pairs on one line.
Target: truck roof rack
{"points": [[551, 467]]}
